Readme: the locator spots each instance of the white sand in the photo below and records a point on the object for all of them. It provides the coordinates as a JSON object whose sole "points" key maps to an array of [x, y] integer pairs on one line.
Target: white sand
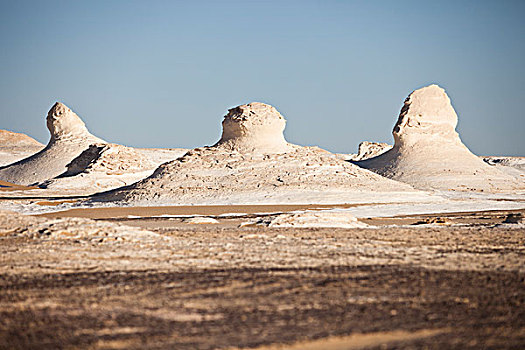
{"points": [[514, 166]]}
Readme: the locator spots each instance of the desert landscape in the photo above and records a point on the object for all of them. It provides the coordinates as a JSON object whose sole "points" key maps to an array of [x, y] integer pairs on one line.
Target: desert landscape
{"points": [[258, 243]]}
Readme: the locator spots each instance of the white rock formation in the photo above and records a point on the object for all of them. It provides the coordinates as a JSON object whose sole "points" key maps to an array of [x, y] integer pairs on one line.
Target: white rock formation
{"points": [[97, 232], [69, 138], [15, 146], [248, 167], [514, 166], [428, 153], [369, 150], [255, 127], [103, 166], [75, 162], [314, 219]]}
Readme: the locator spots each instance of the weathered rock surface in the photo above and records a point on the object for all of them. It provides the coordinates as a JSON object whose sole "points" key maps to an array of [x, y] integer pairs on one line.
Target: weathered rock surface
{"points": [[254, 128], [77, 162], [313, 219], [428, 153], [69, 138], [104, 166], [514, 166], [13, 224], [15, 146], [245, 167], [369, 150]]}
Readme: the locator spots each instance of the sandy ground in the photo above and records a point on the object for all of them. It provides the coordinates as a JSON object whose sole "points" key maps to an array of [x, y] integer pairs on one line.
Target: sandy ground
{"points": [[422, 281]]}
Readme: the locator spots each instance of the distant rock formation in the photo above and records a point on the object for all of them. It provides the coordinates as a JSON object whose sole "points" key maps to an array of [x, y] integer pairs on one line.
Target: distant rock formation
{"points": [[65, 125], [428, 153], [514, 166], [79, 162], [253, 163], [367, 150], [15, 146], [254, 127]]}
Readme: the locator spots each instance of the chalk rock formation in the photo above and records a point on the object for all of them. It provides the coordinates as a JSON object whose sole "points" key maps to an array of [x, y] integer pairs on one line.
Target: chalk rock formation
{"points": [[369, 150], [15, 146], [514, 166], [78, 163], [96, 232], [248, 167], [104, 166], [254, 127], [428, 153], [69, 138], [321, 218]]}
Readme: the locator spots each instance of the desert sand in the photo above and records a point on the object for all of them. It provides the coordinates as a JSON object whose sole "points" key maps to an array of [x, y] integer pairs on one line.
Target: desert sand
{"points": [[164, 283], [257, 243]]}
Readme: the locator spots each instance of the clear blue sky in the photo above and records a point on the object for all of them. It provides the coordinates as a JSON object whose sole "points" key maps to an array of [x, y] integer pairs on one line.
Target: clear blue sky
{"points": [[164, 73]]}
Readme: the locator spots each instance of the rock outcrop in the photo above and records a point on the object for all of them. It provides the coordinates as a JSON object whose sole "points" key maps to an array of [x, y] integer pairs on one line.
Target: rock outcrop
{"points": [[254, 128], [513, 165], [253, 163], [428, 153], [69, 138], [320, 218], [78, 229], [77, 162], [15, 146], [367, 150]]}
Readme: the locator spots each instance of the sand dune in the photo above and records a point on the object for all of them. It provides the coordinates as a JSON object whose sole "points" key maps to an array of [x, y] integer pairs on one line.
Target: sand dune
{"points": [[428, 153]]}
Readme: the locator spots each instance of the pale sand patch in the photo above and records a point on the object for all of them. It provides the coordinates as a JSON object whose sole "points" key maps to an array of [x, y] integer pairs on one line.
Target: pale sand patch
{"points": [[8, 186], [54, 203], [206, 210], [356, 341]]}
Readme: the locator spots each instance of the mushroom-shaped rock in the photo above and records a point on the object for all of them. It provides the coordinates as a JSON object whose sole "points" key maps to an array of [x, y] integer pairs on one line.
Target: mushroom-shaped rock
{"points": [[254, 127], [252, 163], [69, 138], [62, 123], [428, 153], [76, 162]]}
